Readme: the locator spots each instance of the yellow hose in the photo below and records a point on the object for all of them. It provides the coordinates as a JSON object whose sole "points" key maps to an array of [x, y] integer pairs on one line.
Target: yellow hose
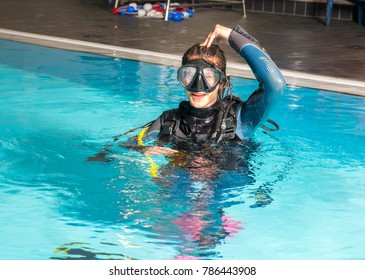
{"points": [[153, 166]]}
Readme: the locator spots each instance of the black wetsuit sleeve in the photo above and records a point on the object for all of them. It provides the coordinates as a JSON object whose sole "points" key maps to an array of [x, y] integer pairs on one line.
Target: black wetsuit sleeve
{"points": [[155, 127], [256, 109]]}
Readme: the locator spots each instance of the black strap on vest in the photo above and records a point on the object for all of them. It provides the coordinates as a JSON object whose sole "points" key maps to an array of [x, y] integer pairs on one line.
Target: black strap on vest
{"points": [[224, 128], [275, 124], [170, 123], [225, 125]]}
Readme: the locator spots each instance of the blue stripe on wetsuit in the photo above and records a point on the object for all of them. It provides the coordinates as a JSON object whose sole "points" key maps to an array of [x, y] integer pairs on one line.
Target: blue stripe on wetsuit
{"points": [[255, 110]]}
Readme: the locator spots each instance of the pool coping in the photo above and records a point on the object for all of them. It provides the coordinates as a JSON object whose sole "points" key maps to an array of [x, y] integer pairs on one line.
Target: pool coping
{"points": [[293, 78]]}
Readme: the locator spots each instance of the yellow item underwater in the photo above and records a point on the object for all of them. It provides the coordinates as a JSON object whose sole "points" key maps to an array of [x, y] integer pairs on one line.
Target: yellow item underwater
{"points": [[153, 165]]}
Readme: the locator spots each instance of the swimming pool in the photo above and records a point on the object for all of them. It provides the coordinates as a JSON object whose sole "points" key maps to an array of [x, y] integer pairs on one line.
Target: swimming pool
{"points": [[298, 193]]}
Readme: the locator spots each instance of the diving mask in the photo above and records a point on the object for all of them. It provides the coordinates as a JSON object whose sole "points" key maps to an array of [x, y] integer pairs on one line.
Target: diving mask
{"points": [[199, 76]]}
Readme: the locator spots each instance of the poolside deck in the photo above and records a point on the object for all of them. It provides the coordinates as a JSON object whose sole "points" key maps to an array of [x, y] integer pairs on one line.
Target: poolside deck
{"points": [[301, 46]]}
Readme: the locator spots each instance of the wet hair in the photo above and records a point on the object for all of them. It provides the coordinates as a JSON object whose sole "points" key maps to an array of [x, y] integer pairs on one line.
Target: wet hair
{"points": [[213, 54]]}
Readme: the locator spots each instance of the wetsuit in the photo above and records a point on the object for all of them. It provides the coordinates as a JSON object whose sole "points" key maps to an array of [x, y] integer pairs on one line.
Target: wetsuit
{"points": [[230, 118]]}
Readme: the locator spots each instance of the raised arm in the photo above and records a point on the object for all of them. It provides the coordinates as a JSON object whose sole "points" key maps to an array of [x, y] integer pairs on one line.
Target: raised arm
{"points": [[272, 83], [256, 109]]}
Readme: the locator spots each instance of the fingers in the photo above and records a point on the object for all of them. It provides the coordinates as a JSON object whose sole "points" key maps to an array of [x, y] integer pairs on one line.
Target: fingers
{"points": [[208, 41], [214, 35], [220, 34]]}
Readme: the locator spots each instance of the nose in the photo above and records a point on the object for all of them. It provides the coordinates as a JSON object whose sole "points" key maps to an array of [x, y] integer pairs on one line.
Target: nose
{"points": [[200, 83]]}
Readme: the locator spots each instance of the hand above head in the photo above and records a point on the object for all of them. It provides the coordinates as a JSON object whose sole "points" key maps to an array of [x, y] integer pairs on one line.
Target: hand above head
{"points": [[220, 34]]}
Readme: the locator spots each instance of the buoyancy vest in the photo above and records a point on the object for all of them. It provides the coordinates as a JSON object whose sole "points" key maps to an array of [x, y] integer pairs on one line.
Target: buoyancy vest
{"points": [[212, 125]]}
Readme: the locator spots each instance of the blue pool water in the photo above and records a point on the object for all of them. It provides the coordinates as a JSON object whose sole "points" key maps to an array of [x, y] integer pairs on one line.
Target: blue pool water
{"points": [[298, 193]]}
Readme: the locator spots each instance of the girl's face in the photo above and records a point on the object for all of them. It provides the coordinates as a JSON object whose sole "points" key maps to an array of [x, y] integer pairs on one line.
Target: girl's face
{"points": [[201, 99]]}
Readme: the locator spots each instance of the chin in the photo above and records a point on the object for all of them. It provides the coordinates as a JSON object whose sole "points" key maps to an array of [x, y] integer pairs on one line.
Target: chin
{"points": [[198, 105]]}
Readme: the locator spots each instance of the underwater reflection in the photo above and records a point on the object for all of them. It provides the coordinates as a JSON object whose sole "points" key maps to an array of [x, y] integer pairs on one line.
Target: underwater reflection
{"points": [[181, 210], [194, 189]]}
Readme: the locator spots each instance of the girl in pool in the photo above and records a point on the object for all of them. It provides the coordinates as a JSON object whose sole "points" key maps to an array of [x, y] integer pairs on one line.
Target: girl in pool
{"points": [[210, 115]]}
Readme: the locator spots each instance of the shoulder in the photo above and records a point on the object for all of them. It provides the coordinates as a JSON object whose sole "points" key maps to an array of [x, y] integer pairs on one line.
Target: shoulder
{"points": [[169, 115], [165, 119], [232, 98], [232, 102]]}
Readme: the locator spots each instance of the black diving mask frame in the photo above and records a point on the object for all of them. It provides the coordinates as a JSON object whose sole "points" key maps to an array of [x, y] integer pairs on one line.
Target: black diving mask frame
{"points": [[199, 75]]}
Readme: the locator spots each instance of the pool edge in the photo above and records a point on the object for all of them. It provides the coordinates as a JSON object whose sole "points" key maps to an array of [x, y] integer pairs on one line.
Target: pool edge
{"points": [[293, 78]]}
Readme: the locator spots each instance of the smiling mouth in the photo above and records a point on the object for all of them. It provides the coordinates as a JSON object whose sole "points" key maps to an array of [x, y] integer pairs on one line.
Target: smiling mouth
{"points": [[198, 94]]}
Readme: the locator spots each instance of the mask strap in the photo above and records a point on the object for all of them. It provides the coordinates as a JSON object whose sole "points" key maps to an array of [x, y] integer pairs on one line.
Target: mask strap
{"points": [[227, 89]]}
